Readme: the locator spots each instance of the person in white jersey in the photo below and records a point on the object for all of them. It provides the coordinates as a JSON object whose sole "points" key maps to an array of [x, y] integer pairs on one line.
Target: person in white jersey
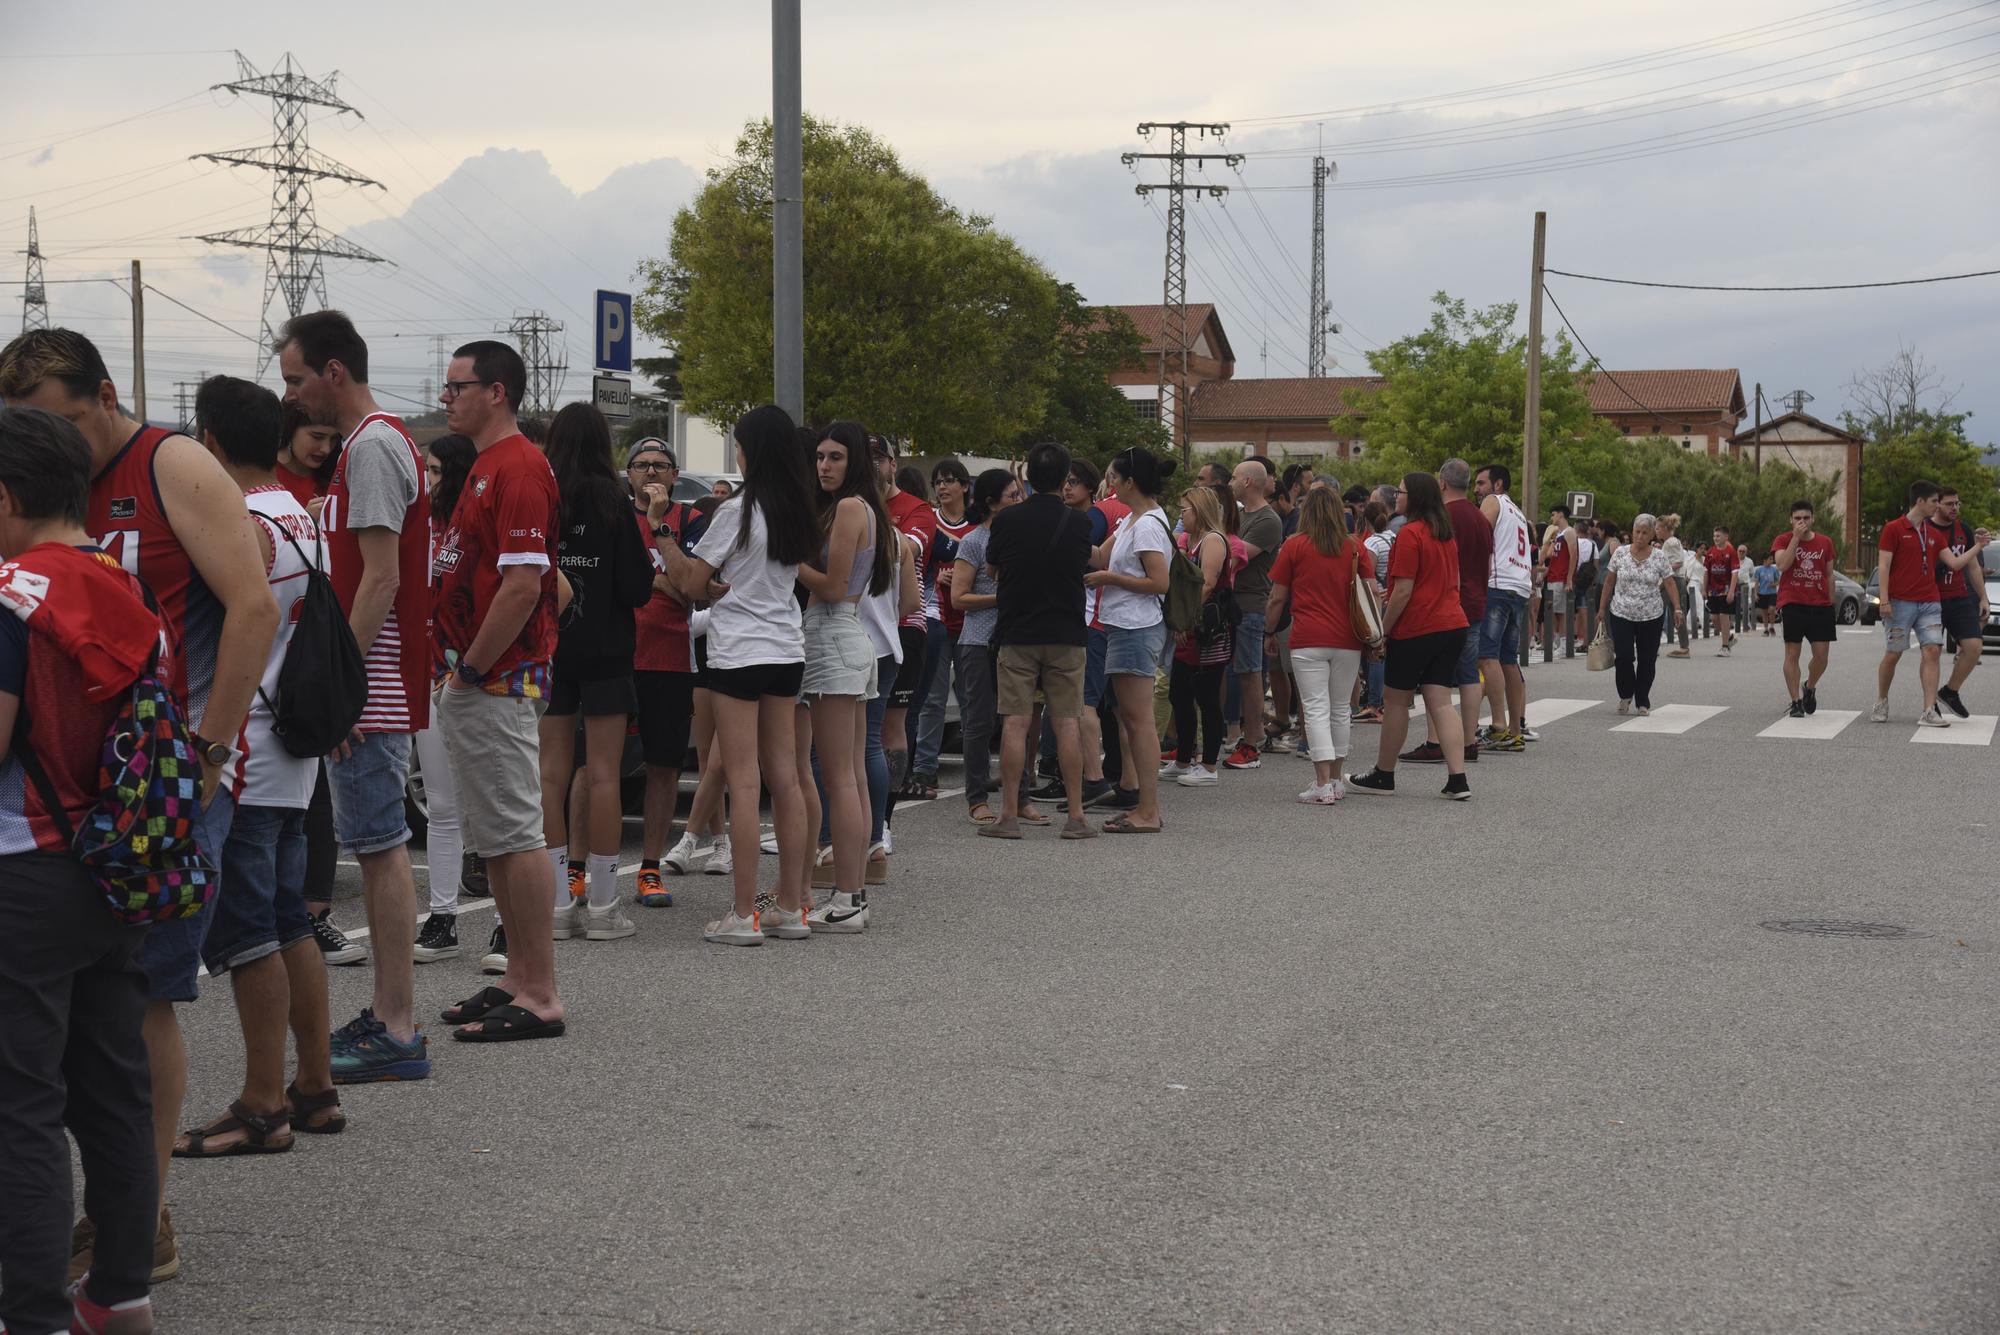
{"points": [[1507, 592], [261, 934]]}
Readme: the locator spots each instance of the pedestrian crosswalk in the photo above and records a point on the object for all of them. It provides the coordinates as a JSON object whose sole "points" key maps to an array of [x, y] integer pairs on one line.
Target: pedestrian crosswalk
{"points": [[1974, 731], [1813, 727], [1672, 720]]}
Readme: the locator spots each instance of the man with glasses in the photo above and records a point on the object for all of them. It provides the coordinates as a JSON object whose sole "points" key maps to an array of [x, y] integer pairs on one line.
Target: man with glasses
{"points": [[663, 666], [1962, 600], [377, 527]]}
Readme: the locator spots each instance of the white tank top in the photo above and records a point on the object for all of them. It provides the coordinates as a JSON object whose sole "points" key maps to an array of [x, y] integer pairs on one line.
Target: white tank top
{"points": [[270, 775], [1513, 562]]}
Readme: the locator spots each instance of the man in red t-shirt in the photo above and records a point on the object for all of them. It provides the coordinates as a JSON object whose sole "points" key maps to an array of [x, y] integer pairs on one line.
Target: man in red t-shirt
{"points": [[496, 627], [1962, 600], [1805, 603], [663, 666], [1720, 567], [1908, 588]]}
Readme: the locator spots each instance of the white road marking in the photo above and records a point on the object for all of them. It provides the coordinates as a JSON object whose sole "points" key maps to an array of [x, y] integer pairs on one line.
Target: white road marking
{"points": [[1819, 727], [1974, 731], [1541, 713], [1667, 718]]}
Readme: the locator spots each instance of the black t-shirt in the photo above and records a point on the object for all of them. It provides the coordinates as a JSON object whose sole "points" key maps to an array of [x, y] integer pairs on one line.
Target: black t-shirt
{"points": [[1041, 548], [611, 576]]}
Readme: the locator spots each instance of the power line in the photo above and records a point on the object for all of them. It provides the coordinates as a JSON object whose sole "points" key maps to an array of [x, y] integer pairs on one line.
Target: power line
{"points": [[1595, 360], [35, 291], [1800, 287], [192, 311]]}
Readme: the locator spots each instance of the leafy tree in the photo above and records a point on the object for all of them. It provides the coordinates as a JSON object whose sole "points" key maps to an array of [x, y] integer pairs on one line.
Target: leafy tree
{"points": [[923, 322], [1086, 412], [1936, 449], [1716, 491]]}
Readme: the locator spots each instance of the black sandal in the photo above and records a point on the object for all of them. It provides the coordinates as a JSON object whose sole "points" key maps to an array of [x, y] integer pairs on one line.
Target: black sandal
{"points": [[476, 1007], [514, 1023], [261, 1135], [305, 1110]]}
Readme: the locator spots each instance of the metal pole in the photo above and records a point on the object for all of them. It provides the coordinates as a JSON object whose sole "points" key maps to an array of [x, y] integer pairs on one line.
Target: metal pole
{"points": [[788, 273], [138, 344], [1757, 432], [1531, 438]]}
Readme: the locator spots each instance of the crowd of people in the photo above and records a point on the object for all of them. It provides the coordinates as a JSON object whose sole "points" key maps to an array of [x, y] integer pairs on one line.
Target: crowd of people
{"points": [[517, 607]]}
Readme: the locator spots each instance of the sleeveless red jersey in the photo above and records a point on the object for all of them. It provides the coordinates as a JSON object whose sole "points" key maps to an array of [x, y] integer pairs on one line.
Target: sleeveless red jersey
{"points": [[399, 661], [129, 521]]}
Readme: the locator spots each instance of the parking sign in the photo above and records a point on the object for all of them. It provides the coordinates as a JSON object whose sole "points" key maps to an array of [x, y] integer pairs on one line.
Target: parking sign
{"points": [[614, 331]]}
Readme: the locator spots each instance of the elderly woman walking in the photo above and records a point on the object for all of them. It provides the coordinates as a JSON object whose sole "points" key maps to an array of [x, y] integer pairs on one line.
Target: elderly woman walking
{"points": [[1638, 587]]}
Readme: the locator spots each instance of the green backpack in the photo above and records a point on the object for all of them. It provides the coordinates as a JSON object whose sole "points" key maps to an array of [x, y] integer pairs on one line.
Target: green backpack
{"points": [[1182, 604]]}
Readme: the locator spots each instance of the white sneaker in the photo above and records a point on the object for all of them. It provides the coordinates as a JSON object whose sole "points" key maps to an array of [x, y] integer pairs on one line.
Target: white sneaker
{"points": [[1880, 713], [888, 844], [1198, 776], [1173, 769], [841, 913], [1931, 718], [721, 859], [683, 854], [785, 924], [1323, 794], [768, 845], [730, 930], [569, 920], [607, 924], [1624, 706]]}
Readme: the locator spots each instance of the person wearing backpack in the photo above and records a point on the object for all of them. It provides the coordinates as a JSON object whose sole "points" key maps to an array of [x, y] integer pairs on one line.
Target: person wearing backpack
{"points": [[260, 932], [75, 635], [1132, 567]]}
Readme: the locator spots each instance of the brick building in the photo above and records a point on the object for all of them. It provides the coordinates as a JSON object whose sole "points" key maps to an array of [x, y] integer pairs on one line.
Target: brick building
{"points": [[1700, 409]]}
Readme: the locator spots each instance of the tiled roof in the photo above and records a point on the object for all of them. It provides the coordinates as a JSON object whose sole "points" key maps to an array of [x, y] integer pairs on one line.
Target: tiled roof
{"points": [[1748, 436], [1151, 319], [1666, 392], [1305, 399]]}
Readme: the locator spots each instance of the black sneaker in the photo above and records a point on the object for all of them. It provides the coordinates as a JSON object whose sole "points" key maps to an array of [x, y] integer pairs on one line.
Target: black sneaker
{"points": [[438, 940], [1096, 790], [1798, 709], [1121, 799], [1472, 754], [1810, 700], [472, 882], [495, 959], [1949, 699], [1430, 753], [334, 947], [1456, 788], [1052, 791], [1374, 781]]}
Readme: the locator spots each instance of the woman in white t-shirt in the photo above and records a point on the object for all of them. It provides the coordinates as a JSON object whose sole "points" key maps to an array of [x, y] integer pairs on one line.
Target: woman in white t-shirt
{"points": [[1131, 568], [747, 564]]}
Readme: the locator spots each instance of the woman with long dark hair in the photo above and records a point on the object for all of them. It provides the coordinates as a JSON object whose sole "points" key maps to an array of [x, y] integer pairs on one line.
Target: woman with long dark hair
{"points": [[747, 562], [976, 593], [1195, 679], [1314, 576], [1131, 568], [1376, 540], [1426, 627], [307, 455], [858, 549], [951, 487], [611, 577]]}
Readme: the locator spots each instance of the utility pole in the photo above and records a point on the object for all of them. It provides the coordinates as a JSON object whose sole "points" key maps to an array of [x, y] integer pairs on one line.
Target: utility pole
{"points": [[138, 344], [1316, 317], [1531, 434], [1174, 336], [788, 227], [293, 238], [1757, 431], [35, 292], [546, 356]]}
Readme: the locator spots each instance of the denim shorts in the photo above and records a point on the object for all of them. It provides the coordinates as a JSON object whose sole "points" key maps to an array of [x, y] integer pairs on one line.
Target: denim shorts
{"points": [[1093, 667], [1249, 644], [1500, 631], [367, 790], [1134, 653], [261, 905], [1926, 619], [170, 956], [1468, 661], [840, 658]]}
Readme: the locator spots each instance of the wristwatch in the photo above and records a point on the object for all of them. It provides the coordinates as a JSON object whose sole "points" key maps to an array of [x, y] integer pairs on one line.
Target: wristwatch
{"points": [[469, 674], [215, 753]]}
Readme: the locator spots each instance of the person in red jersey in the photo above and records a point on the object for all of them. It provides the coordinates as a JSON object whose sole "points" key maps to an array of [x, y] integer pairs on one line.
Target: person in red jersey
{"points": [[496, 627], [1721, 570], [75, 633], [1910, 549], [1805, 603], [377, 524], [308, 452], [162, 507], [1962, 602], [1472, 535]]}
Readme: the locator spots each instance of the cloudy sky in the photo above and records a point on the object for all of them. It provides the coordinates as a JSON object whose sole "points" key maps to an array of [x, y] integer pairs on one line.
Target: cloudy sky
{"points": [[531, 154]]}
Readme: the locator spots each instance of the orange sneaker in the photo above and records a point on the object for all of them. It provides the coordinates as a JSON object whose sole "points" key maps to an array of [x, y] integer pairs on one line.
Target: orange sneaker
{"points": [[652, 892], [579, 883]]}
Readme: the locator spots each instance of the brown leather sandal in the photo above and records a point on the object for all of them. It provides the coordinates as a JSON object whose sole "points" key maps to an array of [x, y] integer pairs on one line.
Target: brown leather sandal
{"points": [[316, 1114], [261, 1135]]}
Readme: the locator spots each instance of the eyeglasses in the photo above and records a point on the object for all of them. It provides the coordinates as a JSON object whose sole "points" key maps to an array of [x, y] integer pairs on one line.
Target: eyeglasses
{"points": [[454, 388], [652, 467]]}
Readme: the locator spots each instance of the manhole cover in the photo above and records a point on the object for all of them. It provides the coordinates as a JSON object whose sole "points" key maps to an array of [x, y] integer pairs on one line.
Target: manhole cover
{"points": [[1836, 927]]}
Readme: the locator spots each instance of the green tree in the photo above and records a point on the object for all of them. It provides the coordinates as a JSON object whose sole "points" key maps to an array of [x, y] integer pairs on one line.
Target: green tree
{"points": [[1086, 412], [1902, 409], [923, 322], [1708, 492]]}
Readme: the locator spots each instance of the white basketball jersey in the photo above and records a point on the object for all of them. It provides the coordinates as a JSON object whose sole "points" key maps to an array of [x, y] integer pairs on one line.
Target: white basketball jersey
{"points": [[271, 776], [1513, 561]]}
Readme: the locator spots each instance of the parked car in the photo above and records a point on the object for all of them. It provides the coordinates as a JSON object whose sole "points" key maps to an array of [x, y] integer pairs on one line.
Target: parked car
{"points": [[1871, 599], [1848, 598], [1989, 564], [693, 486]]}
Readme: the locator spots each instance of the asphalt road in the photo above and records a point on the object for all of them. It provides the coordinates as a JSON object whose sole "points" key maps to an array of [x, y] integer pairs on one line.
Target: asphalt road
{"points": [[1529, 1063]]}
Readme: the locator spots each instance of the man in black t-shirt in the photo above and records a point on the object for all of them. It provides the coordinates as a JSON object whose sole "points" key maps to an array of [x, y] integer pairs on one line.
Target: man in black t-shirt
{"points": [[1040, 548]]}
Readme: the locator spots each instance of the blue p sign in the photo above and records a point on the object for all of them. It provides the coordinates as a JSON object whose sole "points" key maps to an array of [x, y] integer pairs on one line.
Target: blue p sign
{"points": [[614, 331]]}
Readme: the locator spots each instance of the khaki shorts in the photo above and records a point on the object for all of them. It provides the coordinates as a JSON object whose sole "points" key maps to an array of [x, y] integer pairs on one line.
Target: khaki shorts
{"points": [[1057, 669], [496, 757]]}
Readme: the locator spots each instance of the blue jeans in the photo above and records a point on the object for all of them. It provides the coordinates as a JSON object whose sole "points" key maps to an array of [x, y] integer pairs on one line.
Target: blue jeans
{"points": [[1499, 634], [940, 677], [261, 905], [1371, 693], [170, 956]]}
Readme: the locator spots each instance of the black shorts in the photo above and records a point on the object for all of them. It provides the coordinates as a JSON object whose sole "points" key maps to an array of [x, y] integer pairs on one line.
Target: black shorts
{"points": [[593, 699], [1423, 660], [1721, 605], [666, 716], [904, 692], [1766, 601], [1805, 621], [701, 662], [758, 680], [1961, 619]]}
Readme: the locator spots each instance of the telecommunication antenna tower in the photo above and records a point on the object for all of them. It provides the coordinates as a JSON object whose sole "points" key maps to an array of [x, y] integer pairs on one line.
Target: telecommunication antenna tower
{"points": [[547, 358], [296, 243], [1174, 336], [35, 293], [1316, 327], [1796, 400]]}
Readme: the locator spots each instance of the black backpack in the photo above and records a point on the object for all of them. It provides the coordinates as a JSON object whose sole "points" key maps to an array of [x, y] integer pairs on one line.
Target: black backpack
{"points": [[323, 685]]}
